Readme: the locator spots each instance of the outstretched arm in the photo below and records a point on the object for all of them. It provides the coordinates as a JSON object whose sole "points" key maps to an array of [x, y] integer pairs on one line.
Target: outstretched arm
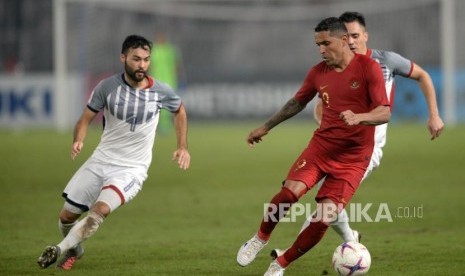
{"points": [[377, 116], [291, 108], [181, 154], [80, 131], [434, 124]]}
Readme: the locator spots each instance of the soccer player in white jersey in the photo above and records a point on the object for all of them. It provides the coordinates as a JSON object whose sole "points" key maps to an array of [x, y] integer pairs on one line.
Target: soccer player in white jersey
{"points": [[114, 174], [392, 64]]}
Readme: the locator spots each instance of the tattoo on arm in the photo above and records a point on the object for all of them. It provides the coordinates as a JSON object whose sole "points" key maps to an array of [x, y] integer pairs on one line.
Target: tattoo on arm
{"points": [[291, 108]]}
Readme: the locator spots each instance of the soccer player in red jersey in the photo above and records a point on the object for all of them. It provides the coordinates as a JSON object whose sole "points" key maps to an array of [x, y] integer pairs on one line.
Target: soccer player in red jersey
{"points": [[352, 89], [393, 65]]}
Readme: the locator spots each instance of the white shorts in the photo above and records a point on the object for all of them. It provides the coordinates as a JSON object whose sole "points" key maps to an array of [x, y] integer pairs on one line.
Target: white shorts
{"points": [[93, 176]]}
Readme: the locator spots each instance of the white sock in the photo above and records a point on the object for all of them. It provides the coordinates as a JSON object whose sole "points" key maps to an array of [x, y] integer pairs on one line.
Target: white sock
{"points": [[81, 231], [342, 228], [65, 228]]}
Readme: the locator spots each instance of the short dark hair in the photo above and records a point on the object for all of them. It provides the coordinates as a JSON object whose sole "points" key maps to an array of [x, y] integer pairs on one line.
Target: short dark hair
{"points": [[331, 24], [349, 17], [135, 41]]}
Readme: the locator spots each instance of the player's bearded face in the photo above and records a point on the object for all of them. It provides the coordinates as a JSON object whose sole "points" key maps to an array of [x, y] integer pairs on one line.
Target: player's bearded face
{"points": [[136, 74], [136, 64]]}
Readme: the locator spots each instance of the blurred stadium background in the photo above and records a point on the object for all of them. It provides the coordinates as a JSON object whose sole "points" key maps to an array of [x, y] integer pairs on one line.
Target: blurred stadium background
{"points": [[240, 59]]}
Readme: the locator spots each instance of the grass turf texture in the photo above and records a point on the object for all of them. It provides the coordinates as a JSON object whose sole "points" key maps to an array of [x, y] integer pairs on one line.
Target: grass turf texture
{"points": [[193, 222]]}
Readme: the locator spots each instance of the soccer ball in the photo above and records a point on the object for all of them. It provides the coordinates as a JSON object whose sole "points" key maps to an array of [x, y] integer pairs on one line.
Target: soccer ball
{"points": [[351, 258]]}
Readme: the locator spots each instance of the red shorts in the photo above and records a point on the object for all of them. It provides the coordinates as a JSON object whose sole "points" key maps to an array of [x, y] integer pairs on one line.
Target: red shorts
{"points": [[342, 178]]}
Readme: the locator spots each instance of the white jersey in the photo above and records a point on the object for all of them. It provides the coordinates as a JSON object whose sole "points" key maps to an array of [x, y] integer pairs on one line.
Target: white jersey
{"points": [[130, 119], [392, 64]]}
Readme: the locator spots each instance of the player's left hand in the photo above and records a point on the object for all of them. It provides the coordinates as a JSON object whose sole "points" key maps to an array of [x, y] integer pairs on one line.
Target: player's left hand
{"points": [[183, 157], [255, 136], [435, 126], [349, 118]]}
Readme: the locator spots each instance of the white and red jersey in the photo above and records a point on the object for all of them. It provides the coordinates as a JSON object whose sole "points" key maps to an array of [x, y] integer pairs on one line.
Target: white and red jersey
{"points": [[392, 64], [130, 119]]}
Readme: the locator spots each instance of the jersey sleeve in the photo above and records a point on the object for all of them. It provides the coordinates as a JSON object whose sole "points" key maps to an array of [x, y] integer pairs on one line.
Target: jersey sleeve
{"points": [[307, 91], [169, 99], [96, 100], [401, 65], [376, 85]]}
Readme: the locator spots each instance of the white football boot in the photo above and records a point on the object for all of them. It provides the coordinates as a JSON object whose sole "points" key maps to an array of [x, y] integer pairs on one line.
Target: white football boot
{"points": [[274, 270], [249, 251]]}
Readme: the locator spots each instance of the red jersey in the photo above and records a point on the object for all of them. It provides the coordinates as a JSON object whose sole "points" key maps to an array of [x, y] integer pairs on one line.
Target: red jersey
{"points": [[359, 88]]}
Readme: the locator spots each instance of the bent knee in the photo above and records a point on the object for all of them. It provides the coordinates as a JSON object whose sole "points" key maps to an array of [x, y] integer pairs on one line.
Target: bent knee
{"points": [[298, 188], [67, 217], [102, 208]]}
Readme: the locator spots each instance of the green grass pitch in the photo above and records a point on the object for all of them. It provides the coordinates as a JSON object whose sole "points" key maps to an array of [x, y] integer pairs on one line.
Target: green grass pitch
{"points": [[193, 222]]}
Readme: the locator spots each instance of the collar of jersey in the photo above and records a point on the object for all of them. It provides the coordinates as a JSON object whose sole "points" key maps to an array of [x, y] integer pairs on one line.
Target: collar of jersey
{"points": [[150, 84]]}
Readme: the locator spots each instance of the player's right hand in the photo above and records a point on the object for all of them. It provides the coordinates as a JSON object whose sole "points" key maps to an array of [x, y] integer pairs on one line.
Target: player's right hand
{"points": [[183, 157], [256, 136], [76, 149]]}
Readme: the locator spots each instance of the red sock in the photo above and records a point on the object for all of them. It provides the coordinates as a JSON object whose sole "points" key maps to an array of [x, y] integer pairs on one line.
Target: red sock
{"points": [[304, 242], [273, 215]]}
